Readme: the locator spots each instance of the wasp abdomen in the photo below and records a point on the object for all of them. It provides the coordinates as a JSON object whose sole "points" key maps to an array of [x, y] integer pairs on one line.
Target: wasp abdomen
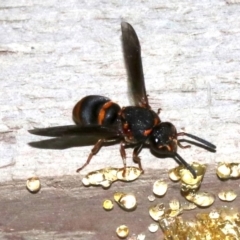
{"points": [[94, 110]]}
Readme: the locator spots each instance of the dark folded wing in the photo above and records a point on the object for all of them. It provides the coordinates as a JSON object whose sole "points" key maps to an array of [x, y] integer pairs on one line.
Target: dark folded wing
{"points": [[133, 62], [71, 129], [73, 136]]}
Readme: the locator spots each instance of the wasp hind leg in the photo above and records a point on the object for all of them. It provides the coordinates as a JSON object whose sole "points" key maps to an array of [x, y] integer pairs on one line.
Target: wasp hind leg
{"points": [[94, 151]]}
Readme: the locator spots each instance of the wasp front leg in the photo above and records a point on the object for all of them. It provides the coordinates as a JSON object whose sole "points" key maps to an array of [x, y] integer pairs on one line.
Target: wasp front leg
{"points": [[136, 158], [123, 155]]}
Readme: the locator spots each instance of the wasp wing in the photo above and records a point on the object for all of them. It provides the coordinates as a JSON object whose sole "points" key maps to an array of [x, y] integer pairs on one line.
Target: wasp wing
{"points": [[133, 62], [74, 136]]}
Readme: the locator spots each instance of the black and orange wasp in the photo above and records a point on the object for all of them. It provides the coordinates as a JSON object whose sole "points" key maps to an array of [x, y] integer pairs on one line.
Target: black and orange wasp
{"points": [[101, 122]]}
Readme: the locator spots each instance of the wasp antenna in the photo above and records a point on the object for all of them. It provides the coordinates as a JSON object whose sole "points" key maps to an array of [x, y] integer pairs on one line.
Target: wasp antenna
{"points": [[197, 139], [196, 144], [181, 160]]}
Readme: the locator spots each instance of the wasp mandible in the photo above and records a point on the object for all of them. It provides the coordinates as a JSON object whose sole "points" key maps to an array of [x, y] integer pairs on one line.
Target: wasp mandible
{"points": [[101, 122]]}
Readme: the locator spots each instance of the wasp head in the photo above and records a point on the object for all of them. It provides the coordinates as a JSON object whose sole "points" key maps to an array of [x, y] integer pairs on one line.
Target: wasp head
{"points": [[164, 137]]}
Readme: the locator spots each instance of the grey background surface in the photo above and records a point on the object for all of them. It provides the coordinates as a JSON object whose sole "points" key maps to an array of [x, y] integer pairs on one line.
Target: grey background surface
{"points": [[52, 53]]}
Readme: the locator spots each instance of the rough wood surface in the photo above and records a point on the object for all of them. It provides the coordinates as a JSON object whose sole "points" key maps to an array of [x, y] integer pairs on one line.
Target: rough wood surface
{"points": [[52, 53], [64, 209]]}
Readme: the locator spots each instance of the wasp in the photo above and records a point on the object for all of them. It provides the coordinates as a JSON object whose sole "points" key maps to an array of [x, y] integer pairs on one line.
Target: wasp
{"points": [[101, 122]]}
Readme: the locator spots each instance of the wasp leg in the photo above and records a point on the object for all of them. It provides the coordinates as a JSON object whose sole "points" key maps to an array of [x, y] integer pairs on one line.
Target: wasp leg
{"points": [[179, 144], [94, 151], [135, 156], [158, 111], [209, 146], [182, 146], [123, 155]]}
